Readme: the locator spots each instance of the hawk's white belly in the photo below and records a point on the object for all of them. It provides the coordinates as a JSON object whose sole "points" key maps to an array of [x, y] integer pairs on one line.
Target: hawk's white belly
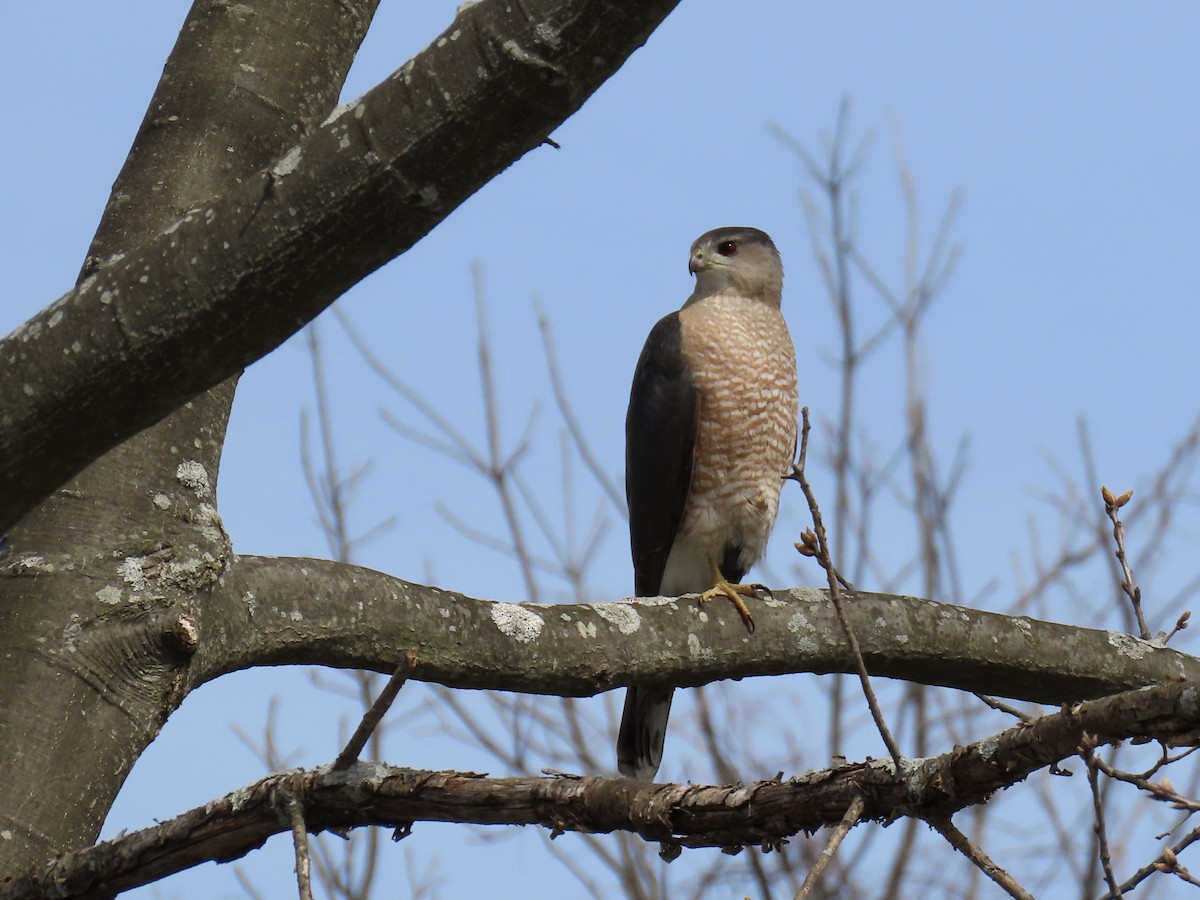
{"points": [[744, 368]]}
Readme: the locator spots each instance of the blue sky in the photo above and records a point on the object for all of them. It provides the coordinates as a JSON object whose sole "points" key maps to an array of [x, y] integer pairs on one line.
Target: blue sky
{"points": [[1070, 129]]}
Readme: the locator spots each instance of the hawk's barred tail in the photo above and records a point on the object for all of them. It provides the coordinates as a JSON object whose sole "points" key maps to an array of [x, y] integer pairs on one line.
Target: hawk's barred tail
{"points": [[643, 728]]}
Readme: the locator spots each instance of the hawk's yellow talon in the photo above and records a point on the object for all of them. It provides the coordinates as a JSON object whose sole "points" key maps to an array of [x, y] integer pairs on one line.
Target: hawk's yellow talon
{"points": [[734, 592]]}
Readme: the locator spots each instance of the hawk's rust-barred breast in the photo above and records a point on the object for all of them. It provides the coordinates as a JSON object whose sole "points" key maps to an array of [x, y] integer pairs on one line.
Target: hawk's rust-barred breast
{"points": [[710, 435]]}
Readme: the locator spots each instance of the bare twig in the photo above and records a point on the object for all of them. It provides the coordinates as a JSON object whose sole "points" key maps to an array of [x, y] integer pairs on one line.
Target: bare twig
{"points": [[1111, 505], [982, 861], [1164, 862], [295, 816], [1001, 706], [820, 551], [835, 840], [372, 717], [1159, 790], [1087, 753]]}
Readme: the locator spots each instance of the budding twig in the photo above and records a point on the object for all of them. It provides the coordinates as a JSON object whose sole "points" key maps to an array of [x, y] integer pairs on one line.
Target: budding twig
{"points": [[1111, 505], [817, 546]]}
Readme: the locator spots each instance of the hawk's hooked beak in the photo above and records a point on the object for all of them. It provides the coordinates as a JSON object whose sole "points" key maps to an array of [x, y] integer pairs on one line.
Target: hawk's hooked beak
{"points": [[696, 263]]}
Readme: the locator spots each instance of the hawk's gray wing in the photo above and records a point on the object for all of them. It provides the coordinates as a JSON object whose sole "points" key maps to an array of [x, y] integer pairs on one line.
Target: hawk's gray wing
{"points": [[660, 439]]}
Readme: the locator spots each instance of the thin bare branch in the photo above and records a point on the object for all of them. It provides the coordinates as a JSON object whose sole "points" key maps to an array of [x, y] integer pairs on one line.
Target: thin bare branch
{"points": [[982, 861], [1099, 827], [295, 812], [822, 555], [374, 715], [835, 840]]}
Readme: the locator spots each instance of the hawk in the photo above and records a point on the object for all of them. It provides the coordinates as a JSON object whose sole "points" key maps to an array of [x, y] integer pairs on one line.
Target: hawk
{"points": [[710, 434]]}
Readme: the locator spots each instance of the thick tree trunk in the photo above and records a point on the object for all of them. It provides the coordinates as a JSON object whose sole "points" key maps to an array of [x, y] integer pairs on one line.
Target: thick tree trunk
{"points": [[98, 612]]}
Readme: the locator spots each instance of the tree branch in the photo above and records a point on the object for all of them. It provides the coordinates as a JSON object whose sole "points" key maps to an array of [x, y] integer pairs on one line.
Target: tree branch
{"points": [[241, 274], [730, 817], [280, 611]]}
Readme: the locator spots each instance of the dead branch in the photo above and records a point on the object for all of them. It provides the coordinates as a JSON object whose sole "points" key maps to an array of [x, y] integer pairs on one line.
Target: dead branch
{"points": [[752, 815]]}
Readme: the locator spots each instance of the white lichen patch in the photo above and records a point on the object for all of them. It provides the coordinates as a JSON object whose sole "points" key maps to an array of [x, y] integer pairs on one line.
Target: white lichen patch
{"points": [[798, 622], [586, 629], [548, 35], [30, 564], [193, 476], [131, 572], [251, 602], [622, 615], [808, 595], [289, 163], [988, 747], [806, 633], [109, 594], [518, 622], [209, 522], [695, 649], [186, 573], [1128, 645], [651, 601], [162, 501]]}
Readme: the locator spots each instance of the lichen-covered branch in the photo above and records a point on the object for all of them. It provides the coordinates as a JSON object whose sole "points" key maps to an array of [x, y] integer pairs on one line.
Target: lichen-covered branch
{"points": [[273, 611], [238, 275], [763, 814]]}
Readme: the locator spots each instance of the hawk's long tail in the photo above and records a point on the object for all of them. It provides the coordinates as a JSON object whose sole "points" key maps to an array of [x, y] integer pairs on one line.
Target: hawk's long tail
{"points": [[643, 728]]}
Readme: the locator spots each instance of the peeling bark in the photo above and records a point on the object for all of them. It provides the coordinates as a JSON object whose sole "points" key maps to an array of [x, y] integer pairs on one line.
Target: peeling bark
{"points": [[734, 817]]}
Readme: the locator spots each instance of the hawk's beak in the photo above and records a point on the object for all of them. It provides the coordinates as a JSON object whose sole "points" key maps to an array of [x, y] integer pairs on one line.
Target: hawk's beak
{"points": [[696, 263]]}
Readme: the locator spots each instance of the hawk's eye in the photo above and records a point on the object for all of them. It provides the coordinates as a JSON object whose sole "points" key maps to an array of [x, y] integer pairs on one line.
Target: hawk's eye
{"points": [[727, 248]]}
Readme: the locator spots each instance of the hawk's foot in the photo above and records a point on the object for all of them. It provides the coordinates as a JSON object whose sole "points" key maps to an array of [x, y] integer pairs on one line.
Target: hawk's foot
{"points": [[735, 592]]}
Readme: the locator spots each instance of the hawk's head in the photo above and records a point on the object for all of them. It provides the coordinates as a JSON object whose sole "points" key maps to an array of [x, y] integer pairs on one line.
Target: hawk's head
{"points": [[737, 259]]}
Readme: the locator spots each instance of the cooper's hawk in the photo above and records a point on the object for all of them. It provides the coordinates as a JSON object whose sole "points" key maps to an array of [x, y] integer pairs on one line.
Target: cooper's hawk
{"points": [[711, 431]]}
